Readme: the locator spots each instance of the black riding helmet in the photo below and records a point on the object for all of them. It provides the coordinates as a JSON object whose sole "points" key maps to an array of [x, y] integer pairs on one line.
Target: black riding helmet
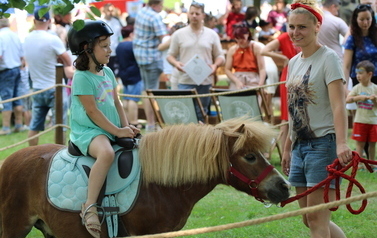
{"points": [[90, 31]]}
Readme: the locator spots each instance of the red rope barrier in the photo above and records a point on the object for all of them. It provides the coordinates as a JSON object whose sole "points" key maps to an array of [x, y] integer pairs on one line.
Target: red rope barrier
{"points": [[336, 171]]}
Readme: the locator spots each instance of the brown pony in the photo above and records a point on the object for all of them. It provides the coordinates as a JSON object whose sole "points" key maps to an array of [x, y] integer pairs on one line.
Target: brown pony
{"points": [[181, 164]]}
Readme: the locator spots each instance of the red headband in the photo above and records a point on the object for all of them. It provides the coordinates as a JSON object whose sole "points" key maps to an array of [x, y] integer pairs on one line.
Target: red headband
{"points": [[310, 9]]}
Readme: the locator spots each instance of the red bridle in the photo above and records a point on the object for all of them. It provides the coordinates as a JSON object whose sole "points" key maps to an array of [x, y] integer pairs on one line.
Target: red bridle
{"points": [[253, 183]]}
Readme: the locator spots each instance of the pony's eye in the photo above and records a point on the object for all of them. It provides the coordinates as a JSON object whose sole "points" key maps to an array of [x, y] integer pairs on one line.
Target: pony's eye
{"points": [[250, 157]]}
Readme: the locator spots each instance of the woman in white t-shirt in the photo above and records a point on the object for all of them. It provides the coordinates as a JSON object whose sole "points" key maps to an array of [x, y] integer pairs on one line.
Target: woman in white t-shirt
{"points": [[315, 101]]}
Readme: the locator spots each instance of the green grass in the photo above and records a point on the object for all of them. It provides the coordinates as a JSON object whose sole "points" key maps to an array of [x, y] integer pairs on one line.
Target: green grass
{"points": [[225, 205]]}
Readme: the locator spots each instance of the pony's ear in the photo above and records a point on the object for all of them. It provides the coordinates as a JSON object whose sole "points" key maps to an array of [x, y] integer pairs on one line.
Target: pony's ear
{"points": [[240, 129], [236, 133]]}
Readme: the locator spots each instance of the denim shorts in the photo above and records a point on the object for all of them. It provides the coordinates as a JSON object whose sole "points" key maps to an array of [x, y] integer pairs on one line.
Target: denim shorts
{"points": [[150, 74], [42, 103], [309, 161], [134, 89], [9, 80]]}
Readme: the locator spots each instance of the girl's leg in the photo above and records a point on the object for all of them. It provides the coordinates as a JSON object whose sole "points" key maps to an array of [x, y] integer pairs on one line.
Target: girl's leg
{"points": [[101, 149], [372, 150], [360, 147]]}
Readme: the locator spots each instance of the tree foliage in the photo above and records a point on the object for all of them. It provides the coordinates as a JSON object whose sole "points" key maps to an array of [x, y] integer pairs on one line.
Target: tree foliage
{"points": [[57, 6]]}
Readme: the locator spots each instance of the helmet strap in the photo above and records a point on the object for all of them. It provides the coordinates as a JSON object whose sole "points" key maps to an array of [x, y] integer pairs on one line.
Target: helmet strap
{"points": [[99, 66], [89, 50]]}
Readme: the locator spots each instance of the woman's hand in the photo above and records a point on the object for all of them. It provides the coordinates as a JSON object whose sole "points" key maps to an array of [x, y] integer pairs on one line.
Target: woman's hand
{"points": [[344, 154], [286, 163], [239, 84], [286, 61]]}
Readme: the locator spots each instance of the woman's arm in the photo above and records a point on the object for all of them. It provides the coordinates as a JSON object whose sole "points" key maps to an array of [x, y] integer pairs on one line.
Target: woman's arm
{"points": [[229, 67], [261, 65], [286, 160], [337, 101], [269, 50], [164, 45], [347, 63]]}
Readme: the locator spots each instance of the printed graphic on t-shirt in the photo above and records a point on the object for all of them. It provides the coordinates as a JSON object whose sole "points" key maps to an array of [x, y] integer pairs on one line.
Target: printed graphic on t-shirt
{"points": [[367, 104], [300, 95], [104, 90]]}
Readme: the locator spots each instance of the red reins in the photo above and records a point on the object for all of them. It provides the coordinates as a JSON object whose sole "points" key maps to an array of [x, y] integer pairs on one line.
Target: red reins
{"points": [[336, 171], [253, 183]]}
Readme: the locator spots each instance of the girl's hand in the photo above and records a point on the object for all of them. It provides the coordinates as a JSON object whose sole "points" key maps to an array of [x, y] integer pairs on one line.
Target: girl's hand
{"points": [[125, 132], [134, 129]]}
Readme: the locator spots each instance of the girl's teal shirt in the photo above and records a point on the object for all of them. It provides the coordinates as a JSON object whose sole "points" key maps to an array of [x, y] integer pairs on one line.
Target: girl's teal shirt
{"points": [[83, 129]]}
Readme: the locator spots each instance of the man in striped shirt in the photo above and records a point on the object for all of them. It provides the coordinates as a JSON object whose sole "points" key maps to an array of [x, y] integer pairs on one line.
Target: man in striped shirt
{"points": [[149, 31]]}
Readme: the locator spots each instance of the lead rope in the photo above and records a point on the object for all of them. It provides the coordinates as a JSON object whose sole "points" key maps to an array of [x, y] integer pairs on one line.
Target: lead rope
{"points": [[336, 171]]}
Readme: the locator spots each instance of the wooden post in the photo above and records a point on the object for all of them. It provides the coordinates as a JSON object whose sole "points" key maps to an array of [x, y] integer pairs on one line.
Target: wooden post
{"points": [[59, 133]]}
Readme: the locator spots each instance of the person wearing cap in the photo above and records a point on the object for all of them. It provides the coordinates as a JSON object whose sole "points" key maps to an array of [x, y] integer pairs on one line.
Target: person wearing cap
{"points": [[97, 115], [42, 49], [11, 59]]}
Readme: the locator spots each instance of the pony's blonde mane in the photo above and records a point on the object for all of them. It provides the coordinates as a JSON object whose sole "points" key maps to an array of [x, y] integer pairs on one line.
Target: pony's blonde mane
{"points": [[182, 154]]}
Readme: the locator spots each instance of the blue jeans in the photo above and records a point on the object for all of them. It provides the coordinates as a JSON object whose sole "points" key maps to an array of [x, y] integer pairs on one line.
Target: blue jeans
{"points": [[42, 103], [9, 81], [133, 89], [309, 161], [201, 89], [150, 74]]}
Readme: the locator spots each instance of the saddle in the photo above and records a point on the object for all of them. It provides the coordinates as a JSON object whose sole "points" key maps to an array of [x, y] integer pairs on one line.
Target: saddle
{"points": [[68, 175]]}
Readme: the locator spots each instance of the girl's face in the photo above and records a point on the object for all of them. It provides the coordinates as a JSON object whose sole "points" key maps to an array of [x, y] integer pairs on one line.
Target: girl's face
{"points": [[364, 20], [102, 50], [302, 30]]}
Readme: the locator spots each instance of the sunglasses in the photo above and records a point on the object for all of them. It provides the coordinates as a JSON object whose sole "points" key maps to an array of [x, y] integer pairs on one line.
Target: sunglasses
{"points": [[197, 4], [363, 7]]}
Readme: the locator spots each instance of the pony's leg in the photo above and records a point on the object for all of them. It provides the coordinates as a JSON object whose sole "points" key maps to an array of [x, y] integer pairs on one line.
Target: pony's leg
{"points": [[40, 225], [14, 230], [17, 218]]}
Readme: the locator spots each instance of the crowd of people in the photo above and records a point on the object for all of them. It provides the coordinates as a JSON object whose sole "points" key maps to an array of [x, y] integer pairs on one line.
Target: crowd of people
{"points": [[325, 62]]}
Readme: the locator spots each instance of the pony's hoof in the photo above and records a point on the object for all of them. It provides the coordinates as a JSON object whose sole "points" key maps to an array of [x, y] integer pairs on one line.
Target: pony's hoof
{"points": [[93, 226]]}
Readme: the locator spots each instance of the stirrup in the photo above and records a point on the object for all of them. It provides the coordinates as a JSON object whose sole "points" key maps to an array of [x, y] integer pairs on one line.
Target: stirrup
{"points": [[83, 214]]}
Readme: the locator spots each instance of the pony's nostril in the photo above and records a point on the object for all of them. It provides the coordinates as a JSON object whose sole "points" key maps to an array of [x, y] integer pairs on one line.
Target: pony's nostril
{"points": [[286, 185]]}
